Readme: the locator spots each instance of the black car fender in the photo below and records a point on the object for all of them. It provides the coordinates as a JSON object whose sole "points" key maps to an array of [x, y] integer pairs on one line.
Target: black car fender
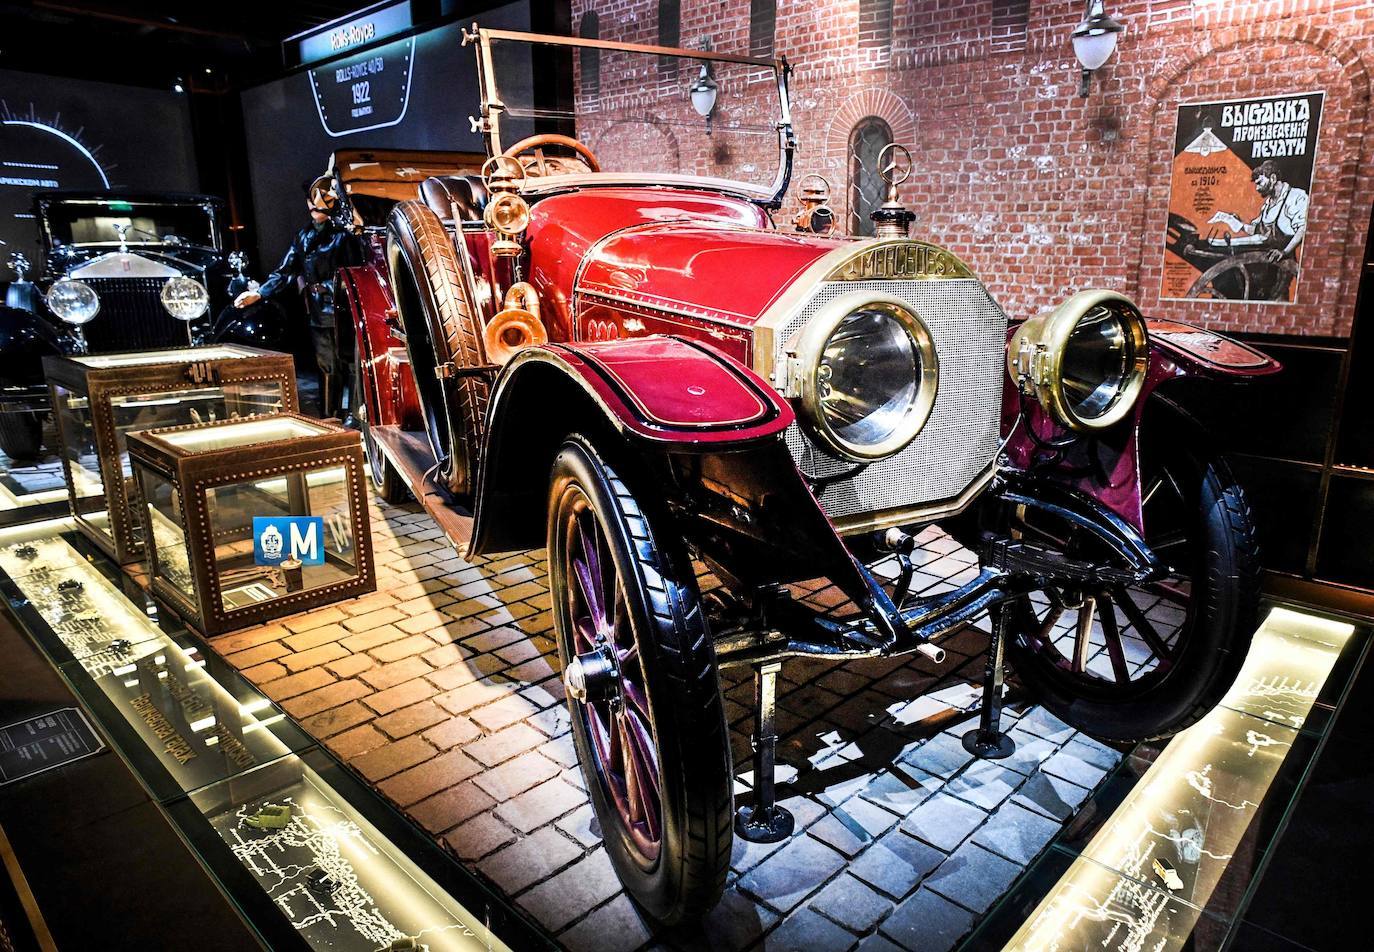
{"points": [[25, 339]]}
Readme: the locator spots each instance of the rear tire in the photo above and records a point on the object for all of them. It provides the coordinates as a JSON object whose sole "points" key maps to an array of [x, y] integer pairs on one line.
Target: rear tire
{"points": [[388, 483], [21, 435], [671, 845], [442, 327]]}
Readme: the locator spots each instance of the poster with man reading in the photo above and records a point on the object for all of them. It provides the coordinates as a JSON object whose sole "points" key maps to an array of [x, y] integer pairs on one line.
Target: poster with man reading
{"points": [[1238, 198]]}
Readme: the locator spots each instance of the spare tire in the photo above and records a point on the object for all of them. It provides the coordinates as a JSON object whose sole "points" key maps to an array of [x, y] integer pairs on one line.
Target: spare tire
{"points": [[443, 333]]}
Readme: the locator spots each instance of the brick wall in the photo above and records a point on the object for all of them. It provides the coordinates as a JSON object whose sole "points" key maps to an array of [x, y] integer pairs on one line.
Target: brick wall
{"points": [[1042, 192]]}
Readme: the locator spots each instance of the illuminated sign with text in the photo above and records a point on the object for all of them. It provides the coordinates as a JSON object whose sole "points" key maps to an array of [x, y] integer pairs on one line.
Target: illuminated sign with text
{"points": [[343, 36]]}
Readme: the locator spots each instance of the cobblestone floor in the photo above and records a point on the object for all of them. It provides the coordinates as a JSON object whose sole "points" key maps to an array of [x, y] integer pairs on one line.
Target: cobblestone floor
{"points": [[441, 690]]}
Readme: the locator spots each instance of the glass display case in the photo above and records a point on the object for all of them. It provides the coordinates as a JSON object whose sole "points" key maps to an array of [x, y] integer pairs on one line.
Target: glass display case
{"points": [[191, 725], [341, 882], [99, 399], [253, 519]]}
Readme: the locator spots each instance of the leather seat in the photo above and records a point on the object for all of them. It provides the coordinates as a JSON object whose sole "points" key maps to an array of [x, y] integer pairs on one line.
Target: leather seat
{"points": [[442, 192]]}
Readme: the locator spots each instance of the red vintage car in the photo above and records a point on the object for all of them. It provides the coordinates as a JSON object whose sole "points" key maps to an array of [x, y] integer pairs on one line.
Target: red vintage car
{"points": [[604, 343]]}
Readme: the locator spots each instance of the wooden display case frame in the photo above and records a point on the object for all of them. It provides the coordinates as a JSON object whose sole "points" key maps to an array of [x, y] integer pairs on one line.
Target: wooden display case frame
{"points": [[101, 384], [193, 474]]}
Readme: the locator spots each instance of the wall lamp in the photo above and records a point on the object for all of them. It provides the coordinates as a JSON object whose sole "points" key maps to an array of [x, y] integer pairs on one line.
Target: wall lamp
{"points": [[1094, 41], [703, 91]]}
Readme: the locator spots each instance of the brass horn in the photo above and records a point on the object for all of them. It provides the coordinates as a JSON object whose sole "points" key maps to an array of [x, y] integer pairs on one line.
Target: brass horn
{"points": [[516, 327]]}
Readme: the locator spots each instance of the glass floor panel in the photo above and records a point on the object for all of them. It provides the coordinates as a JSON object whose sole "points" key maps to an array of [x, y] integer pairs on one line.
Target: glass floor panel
{"points": [[1170, 847], [341, 883], [342, 870]]}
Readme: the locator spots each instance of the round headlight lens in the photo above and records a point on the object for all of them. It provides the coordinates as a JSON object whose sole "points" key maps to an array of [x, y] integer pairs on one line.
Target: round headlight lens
{"points": [[872, 381], [185, 298], [73, 301], [1098, 357]]}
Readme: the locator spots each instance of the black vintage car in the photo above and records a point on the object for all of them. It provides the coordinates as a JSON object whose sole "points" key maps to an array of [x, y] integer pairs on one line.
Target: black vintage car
{"points": [[120, 271]]}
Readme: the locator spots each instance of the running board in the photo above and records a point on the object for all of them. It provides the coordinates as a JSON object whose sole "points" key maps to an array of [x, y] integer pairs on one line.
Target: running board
{"points": [[410, 455]]}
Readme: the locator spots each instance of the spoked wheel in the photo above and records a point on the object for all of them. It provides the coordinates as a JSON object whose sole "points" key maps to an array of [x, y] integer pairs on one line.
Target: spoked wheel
{"points": [[1249, 276], [1133, 662], [640, 675]]}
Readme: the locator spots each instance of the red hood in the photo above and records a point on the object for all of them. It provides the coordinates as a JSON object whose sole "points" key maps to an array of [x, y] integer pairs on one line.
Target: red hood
{"points": [[689, 253], [714, 271]]}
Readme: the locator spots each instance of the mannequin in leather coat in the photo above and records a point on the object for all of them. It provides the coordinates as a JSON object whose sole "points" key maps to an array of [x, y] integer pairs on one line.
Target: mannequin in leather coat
{"points": [[316, 254]]}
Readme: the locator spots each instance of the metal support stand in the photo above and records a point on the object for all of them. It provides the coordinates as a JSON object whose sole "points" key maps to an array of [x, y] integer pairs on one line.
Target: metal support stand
{"points": [[764, 821], [987, 740]]}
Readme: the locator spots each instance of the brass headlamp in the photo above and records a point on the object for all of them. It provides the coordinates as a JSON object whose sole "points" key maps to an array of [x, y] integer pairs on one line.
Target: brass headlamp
{"points": [[1085, 361], [866, 373], [507, 213]]}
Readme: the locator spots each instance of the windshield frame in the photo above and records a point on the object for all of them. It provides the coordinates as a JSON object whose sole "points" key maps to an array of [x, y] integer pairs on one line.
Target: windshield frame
{"points": [[46, 206], [489, 122]]}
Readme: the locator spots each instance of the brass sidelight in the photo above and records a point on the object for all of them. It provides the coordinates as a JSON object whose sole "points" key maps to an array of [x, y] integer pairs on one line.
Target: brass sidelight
{"points": [[816, 216], [506, 213]]}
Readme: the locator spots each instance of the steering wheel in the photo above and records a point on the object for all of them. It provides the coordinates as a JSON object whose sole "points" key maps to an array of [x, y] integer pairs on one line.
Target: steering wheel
{"points": [[553, 165]]}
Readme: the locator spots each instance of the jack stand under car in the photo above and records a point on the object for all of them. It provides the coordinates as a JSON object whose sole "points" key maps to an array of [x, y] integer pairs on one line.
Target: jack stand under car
{"points": [[764, 820], [987, 739]]}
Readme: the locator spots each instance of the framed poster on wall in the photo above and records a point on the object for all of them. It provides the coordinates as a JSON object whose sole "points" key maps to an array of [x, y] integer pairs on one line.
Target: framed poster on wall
{"points": [[1238, 196]]}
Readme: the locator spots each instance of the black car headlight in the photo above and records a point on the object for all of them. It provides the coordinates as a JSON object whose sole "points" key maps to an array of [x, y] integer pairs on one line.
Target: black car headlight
{"points": [[866, 374], [185, 298], [1085, 362], [73, 301]]}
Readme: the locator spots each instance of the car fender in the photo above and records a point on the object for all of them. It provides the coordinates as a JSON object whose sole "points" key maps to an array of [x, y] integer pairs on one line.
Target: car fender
{"points": [[388, 382], [1106, 465], [654, 396], [724, 479], [1185, 350]]}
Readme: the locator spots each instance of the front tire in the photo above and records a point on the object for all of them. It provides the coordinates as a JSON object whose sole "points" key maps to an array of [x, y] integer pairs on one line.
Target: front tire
{"points": [[1129, 664], [651, 735]]}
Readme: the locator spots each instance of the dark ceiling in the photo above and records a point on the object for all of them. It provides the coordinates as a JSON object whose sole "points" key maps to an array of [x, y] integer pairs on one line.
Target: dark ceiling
{"points": [[152, 43]]}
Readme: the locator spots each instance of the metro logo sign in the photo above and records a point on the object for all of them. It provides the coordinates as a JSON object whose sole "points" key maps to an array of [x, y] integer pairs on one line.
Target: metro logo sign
{"points": [[278, 538]]}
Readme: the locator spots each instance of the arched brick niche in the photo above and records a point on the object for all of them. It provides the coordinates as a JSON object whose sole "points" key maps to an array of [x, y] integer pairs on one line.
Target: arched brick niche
{"points": [[620, 143], [879, 101], [1253, 61]]}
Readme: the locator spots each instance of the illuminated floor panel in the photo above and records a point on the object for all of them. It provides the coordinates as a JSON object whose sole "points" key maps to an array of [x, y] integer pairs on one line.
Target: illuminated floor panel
{"points": [[215, 752], [1170, 867]]}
